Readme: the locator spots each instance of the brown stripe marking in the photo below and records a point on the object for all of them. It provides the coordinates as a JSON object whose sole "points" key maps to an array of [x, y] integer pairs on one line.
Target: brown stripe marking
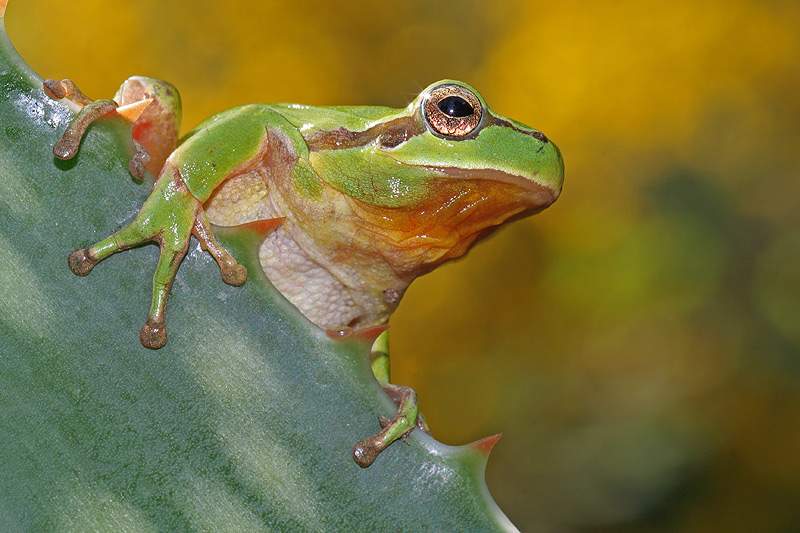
{"points": [[388, 134], [538, 135], [394, 133]]}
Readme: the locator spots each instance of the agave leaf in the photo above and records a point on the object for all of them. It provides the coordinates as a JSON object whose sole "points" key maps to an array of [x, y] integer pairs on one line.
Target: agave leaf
{"points": [[245, 420]]}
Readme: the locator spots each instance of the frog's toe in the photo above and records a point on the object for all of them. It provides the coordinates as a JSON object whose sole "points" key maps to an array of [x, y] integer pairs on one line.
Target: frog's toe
{"points": [[406, 419], [366, 451], [65, 88], [81, 262], [54, 89], [139, 161], [422, 424], [153, 334], [67, 147], [234, 274]]}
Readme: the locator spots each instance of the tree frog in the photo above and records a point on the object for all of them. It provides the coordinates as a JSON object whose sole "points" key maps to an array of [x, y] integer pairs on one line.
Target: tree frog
{"points": [[368, 198]]}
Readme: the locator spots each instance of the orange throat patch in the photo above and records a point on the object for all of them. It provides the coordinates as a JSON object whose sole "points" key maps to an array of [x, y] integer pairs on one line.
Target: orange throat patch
{"points": [[446, 223]]}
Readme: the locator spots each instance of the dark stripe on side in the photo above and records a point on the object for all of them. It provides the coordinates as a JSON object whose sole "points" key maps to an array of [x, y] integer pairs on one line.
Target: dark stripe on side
{"points": [[388, 135]]}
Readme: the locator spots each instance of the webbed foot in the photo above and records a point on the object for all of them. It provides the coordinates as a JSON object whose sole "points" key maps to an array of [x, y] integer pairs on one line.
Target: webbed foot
{"points": [[139, 161], [167, 218], [234, 275], [408, 416], [67, 147]]}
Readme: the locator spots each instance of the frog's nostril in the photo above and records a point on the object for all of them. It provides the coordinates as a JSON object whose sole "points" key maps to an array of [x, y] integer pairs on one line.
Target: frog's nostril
{"points": [[540, 136]]}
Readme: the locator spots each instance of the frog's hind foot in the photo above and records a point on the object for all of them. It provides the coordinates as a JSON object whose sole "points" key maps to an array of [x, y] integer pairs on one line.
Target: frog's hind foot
{"points": [[234, 275], [65, 89], [173, 242], [68, 145]]}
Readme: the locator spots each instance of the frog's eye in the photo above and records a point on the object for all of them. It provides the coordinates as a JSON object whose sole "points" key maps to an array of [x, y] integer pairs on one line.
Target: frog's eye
{"points": [[452, 110]]}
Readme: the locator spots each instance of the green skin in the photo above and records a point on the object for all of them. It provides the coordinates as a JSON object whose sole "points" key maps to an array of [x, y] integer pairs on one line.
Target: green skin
{"points": [[369, 198]]}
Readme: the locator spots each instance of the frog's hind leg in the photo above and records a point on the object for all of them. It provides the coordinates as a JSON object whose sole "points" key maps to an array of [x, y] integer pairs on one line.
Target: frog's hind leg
{"points": [[65, 89], [153, 333], [68, 145], [405, 420]]}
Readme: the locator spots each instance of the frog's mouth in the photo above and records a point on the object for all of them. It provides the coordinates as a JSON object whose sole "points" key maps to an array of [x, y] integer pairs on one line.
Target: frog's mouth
{"points": [[462, 206]]}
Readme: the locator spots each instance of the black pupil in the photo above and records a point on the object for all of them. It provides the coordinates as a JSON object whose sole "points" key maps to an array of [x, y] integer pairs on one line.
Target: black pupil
{"points": [[455, 106]]}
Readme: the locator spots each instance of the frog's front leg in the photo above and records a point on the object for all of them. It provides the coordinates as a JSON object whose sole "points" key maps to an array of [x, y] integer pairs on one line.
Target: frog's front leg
{"points": [[169, 217], [232, 143], [407, 418]]}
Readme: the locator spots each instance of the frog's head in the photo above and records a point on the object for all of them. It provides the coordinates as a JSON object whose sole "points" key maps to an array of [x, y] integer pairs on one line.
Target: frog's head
{"points": [[431, 178]]}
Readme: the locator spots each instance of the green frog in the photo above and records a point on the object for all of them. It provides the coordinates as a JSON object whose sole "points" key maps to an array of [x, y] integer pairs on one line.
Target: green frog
{"points": [[361, 200]]}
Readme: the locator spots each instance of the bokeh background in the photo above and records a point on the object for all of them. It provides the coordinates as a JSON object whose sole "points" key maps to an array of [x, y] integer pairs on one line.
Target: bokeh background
{"points": [[638, 343]]}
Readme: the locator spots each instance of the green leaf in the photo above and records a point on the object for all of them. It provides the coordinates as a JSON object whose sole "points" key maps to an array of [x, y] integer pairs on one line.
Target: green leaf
{"points": [[247, 418]]}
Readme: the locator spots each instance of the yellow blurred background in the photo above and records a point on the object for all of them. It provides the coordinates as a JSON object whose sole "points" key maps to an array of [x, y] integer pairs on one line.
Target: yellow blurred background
{"points": [[638, 343]]}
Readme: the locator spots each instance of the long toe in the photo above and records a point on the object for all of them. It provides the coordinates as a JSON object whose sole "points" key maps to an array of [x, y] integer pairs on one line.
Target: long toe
{"points": [[235, 275], [153, 334], [80, 263]]}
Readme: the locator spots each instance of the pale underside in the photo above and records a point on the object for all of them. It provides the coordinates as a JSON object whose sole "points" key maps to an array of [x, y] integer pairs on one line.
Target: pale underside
{"points": [[331, 294]]}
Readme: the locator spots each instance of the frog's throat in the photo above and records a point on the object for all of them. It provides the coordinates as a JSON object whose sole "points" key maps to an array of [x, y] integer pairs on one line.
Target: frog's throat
{"points": [[443, 226]]}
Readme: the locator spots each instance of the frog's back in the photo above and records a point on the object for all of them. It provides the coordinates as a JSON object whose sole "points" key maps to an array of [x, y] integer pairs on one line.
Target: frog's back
{"points": [[307, 119], [354, 118]]}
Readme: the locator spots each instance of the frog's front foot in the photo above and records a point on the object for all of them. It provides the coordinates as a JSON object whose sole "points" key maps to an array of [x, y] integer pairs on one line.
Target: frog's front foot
{"points": [[80, 262], [407, 418], [154, 333], [169, 217]]}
